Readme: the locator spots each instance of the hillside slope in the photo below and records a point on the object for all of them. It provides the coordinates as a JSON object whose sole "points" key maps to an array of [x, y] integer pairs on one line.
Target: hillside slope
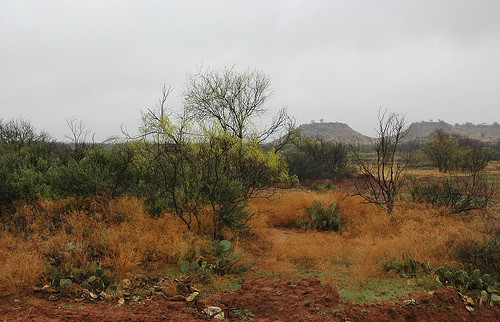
{"points": [[420, 131], [483, 132], [333, 132]]}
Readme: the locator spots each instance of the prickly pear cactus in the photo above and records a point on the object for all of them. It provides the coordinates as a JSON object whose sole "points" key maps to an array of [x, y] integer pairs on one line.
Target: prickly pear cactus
{"points": [[65, 283]]}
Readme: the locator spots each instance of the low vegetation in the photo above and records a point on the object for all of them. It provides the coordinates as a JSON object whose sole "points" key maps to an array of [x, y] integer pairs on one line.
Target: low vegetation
{"points": [[201, 200]]}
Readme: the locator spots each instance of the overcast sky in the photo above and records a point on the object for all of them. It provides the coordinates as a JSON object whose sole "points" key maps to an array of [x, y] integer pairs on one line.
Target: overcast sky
{"points": [[104, 61]]}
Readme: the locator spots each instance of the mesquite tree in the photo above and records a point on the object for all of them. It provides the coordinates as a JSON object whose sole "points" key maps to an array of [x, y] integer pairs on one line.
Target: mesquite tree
{"points": [[236, 102], [382, 173], [198, 172]]}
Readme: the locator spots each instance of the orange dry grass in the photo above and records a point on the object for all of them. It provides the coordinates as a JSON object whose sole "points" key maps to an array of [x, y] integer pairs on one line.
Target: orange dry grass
{"points": [[287, 208], [118, 234], [21, 266], [369, 238], [418, 173]]}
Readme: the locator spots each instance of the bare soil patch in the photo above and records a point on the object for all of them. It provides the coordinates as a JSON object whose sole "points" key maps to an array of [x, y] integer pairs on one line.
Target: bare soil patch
{"points": [[257, 300]]}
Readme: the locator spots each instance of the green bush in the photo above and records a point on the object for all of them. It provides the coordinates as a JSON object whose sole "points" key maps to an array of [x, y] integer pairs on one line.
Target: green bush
{"points": [[23, 173], [318, 159], [322, 219], [459, 193], [99, 172], [440, 194]]}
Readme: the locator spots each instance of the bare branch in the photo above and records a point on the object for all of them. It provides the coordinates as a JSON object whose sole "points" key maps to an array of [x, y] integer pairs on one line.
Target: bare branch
{"points": [[384, 172], [235, 102]]}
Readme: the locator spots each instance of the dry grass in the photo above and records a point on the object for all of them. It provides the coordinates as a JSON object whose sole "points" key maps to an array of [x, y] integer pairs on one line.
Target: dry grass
{"points": [[120, 236], [21, 266], [369, 238], [286, 208]]}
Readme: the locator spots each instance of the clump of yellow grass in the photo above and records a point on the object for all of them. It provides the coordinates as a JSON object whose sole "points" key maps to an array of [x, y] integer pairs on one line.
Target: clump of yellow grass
{"points": [[368, 239], [21, 265], [117, 234]]}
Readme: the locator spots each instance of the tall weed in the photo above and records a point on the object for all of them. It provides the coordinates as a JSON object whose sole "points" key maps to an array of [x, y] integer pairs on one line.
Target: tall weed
{"points": [[21, 266]]}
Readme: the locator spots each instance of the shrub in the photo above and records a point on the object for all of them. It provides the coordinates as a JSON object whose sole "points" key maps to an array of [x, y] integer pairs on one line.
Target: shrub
{"points": [[483, 254], [23, 173], [460, 193], [453, 152], [97, 173], [318, 159], [440, 194], [204, 257], [322, 219]]}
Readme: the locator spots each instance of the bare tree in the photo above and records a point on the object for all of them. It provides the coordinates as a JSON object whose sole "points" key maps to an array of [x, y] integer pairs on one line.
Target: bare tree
{"points": [[20, 132], [236, 102], [79, 134], [383, 172]]}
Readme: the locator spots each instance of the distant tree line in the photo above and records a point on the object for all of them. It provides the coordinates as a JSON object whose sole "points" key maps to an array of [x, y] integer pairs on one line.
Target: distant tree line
{"points": [[210, 159]]}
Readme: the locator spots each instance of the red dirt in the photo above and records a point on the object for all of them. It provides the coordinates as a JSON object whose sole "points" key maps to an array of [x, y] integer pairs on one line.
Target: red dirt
{"points": [[257, 300]]}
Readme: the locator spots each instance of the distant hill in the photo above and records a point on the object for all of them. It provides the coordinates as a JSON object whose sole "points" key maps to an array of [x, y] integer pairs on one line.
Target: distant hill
{"points": [[420, 131], [333, 132], [487, 133]]}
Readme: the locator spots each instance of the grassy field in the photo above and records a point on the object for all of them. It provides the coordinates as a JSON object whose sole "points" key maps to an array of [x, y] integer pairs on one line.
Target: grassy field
{"points": [[119, 236]]}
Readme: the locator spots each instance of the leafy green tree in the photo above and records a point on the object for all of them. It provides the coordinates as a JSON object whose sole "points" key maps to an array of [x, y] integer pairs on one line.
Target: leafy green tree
{"points": [[475, 160], [441, 150], [452, 152], [205, 172]]}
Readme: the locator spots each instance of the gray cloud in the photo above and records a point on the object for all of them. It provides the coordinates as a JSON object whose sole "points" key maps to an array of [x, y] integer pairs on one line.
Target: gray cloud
{"points": [[105, 61]]}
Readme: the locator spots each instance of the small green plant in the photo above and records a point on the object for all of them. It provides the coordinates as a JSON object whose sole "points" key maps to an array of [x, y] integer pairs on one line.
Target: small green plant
{"points": [[408, 267], [91, 278], [322, 219], [467, 282], [219, 261], [440, 194], [65, 284], [430, 304]]}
